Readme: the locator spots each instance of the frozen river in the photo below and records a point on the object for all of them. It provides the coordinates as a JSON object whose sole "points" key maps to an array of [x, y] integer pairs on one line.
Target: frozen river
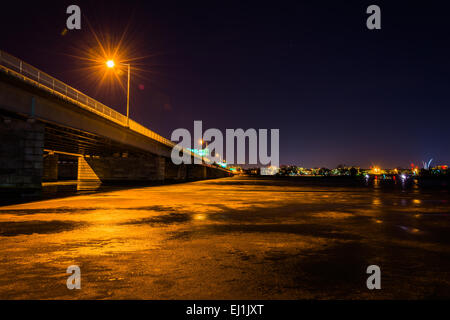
{"points": [[232, 238]]}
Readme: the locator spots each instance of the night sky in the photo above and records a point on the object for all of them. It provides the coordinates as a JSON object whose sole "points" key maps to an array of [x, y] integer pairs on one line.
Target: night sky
{"points": [[338, 92]]}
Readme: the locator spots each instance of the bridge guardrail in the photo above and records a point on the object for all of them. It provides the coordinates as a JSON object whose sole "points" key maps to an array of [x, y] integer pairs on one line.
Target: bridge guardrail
{"points": [[30, 74]]}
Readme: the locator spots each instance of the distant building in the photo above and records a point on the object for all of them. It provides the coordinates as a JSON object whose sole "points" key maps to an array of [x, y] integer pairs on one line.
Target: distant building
{"points": [[269, 171]]}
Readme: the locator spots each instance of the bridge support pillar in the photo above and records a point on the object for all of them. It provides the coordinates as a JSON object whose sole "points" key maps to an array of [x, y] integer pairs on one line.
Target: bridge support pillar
{"points": [[196, 172], [175, 172], [214, 173], [50, 167], [21, 154], [121, 169]]}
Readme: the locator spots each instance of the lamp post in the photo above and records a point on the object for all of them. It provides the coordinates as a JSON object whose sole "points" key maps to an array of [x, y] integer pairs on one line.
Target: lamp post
{"points": [[128, 95], [201, 148], [111, 64]]}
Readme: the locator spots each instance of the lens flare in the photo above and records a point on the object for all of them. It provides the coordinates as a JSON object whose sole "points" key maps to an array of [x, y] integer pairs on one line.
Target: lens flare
{"points": [[100, 60]]}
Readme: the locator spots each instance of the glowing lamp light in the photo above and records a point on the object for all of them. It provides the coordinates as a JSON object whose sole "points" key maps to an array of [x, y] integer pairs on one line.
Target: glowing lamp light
{"points": [[110, 64]]}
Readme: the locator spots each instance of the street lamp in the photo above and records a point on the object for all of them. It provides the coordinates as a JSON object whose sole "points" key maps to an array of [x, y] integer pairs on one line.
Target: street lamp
{"points": [[111, 64]]}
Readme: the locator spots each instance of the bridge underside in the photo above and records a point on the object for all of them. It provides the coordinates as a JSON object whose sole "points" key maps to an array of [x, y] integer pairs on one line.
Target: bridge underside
{"points": [[34, 151]]}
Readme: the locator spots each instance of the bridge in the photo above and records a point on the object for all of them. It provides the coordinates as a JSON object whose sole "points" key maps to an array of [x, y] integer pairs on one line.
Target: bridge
{"points": [[50, 130]]}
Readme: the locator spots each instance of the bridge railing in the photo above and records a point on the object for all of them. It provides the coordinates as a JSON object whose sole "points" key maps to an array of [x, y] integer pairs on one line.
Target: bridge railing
{"points": [[30, 74]]}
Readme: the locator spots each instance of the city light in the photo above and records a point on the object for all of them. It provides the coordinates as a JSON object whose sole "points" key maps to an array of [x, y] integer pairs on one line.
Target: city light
{"points": [[269, 171], [376, 171]]}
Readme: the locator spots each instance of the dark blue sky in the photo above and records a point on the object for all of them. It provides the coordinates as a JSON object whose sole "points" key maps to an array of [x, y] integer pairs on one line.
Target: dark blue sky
{"points": [[338, 92]]}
